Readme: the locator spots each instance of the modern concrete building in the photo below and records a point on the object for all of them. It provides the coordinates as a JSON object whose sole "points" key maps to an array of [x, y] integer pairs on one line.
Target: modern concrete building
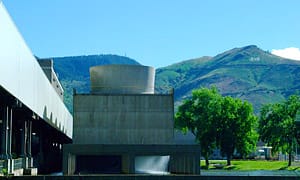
{"points": [[47, 66], [121, 120], [34, 122]]}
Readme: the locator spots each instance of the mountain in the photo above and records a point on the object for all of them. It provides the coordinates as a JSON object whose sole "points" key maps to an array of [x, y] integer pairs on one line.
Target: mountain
{"points": [[248, 73], [73, 72]]}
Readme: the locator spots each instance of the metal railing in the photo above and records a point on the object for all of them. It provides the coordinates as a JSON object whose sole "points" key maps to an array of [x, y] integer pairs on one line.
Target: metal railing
{"points": [[1, 165], [18, 163]]}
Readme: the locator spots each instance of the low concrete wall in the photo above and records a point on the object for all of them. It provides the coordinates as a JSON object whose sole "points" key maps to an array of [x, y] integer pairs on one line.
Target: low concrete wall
{"points": [[184, 159]]}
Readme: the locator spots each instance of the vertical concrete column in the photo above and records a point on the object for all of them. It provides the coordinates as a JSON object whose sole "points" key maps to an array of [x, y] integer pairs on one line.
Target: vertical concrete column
{"points": [[28, 143], [24, 144], [131, 163], [10, 118], [178, 164], [127, 165], [69, 164], [6, 137], [65, 163], [1, 131], [41, 153], [185, 163], [10, 140], [7, 134], [3, 134], [197, 159]]}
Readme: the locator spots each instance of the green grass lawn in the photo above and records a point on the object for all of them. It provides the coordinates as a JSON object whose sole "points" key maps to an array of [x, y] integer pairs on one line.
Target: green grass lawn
{"points": [[249, 165]]}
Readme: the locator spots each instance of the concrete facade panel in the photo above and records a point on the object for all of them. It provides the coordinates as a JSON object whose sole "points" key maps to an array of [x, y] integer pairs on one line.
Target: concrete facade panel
{"points": [[124, 102], [123, 119], [185, 163], [125, 79]]}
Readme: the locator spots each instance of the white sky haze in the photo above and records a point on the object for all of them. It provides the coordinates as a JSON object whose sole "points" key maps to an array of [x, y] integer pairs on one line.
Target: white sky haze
{"points": [[291, 53]]}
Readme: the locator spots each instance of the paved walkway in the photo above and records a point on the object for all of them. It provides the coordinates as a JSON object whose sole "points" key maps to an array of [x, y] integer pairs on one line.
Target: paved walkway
{"points": [[249, 173]]}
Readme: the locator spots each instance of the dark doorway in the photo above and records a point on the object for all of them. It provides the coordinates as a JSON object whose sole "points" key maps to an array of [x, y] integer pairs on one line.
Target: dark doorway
{"points": [[98, 164]]}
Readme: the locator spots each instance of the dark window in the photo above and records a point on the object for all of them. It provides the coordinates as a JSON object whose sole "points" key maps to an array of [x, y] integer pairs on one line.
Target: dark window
{"points": [[98, 164]]}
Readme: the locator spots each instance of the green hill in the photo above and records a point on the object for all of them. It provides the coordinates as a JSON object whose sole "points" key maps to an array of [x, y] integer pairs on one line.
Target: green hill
{"points": [[248, 73]]}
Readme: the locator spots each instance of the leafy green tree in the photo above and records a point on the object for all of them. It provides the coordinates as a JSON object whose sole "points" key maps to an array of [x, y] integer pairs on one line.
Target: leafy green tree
{"points": [[198, 115], [214, 120], [236, 128], [278, 127]]}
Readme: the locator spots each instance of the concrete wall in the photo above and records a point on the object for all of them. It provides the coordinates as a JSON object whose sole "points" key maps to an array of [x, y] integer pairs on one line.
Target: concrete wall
{"points": [[125, 79], [123, 119], [184, 159], [185, 163]]}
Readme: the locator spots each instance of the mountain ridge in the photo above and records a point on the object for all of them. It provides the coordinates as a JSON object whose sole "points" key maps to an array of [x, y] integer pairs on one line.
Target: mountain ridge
{"points": [[249, 73]]}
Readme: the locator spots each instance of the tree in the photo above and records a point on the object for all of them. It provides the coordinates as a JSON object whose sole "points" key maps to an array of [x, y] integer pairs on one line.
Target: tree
{"points": [[236, 128], [198, 115], [277, 125], [214, 120]]}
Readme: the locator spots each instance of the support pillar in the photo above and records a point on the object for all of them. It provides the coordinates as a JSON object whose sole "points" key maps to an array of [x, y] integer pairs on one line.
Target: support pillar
{"points": [[132, 163], [185, 163], [28, 143], [69, 164], [3, 134], [9, 139], [24, 144], [10, 131], [6, 132], [29, 169], [43, 149], [197, 159]]}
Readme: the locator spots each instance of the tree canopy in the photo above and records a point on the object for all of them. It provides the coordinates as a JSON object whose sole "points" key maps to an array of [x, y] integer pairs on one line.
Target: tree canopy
{"points": [[236, 128], [278, 125], [198, 116], [217, 121]]}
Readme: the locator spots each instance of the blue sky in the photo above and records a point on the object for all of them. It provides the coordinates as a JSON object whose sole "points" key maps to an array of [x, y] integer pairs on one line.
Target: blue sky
{"points": [[155, 32]]}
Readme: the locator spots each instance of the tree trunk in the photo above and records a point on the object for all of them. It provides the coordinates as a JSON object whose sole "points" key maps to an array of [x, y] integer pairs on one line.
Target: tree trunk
{"points": [[206, 161], [228, 160], [290, 159], [290, 152]]}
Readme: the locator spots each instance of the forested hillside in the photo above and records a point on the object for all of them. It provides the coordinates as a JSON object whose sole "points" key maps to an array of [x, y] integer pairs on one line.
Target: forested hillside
{"points": [[248, 73]]}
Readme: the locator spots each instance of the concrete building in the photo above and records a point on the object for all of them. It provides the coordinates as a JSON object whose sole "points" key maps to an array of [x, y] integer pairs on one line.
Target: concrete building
{"points": [[121, 120], [47, 66], [34, 122]]}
